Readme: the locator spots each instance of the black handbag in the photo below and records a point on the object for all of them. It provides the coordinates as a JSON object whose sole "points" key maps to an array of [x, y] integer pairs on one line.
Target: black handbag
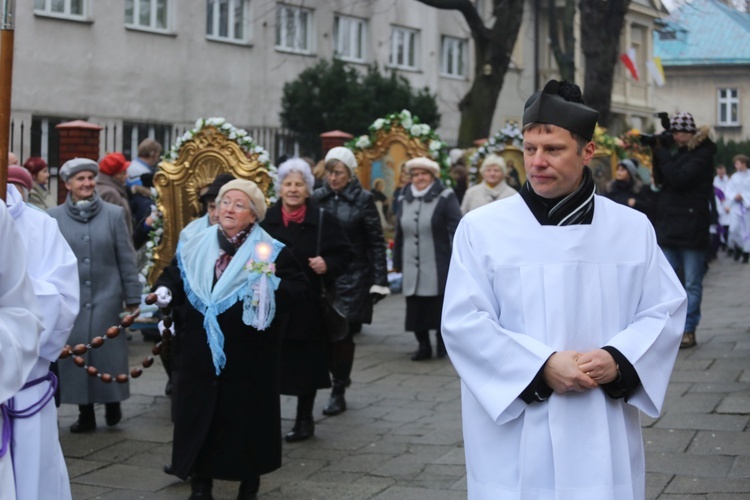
{"points": [[334, 321]]}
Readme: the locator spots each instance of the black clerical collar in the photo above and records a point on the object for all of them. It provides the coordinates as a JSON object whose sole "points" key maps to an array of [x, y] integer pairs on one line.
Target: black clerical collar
{"points": [[575, 208]]}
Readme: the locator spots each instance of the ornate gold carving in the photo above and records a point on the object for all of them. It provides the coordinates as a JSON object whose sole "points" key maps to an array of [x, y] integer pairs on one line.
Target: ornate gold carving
{"points": [[208, 154], [384, 142]]}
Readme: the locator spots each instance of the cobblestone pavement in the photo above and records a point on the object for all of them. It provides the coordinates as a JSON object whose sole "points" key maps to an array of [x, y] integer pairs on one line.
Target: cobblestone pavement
{"points": [[401, 436]]}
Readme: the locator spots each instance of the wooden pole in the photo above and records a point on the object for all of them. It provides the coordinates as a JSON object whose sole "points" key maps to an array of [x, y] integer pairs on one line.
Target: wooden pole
{"points": [[7, 22]]}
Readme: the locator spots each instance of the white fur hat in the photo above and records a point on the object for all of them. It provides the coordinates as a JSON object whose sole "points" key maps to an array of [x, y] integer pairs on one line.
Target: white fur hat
{"points": [[425, 163], [344, 155], [493, 159]]}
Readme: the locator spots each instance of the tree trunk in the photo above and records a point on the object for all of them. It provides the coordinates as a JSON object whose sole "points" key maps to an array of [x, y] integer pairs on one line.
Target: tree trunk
{"points": [[493, 47], [601, 25], [564, 51]]}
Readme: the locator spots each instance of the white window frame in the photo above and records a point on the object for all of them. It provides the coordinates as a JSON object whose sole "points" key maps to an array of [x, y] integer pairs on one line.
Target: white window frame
{"points": [[153, 15], [407, 38], [299, 44], [728, 100], [45, 9], [216, 25], [453, 67], [354, 31]]}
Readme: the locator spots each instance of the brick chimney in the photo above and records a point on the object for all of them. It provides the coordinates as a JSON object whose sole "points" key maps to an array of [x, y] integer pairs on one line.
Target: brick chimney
{"points": [[78, 139], [333, 139]]}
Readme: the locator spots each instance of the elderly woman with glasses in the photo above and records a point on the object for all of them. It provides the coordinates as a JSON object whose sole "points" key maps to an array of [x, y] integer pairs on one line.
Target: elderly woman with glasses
{"points": [[428, 215], [236, 285], [320, 245], [365, 280]]}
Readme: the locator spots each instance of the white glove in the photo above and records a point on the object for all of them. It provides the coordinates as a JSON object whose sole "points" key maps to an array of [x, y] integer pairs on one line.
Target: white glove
{"points": [[163, 296]]}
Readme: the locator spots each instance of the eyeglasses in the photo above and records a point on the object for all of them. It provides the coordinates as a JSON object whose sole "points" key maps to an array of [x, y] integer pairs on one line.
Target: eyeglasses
{"points": [[227, 204]]}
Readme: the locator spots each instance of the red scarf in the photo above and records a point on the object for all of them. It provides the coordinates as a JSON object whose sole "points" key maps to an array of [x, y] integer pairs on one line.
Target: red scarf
{"points": [[295, 216]]}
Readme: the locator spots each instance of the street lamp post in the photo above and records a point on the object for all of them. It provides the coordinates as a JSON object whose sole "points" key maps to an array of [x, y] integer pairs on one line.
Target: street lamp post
{"points": [[7, 22]]}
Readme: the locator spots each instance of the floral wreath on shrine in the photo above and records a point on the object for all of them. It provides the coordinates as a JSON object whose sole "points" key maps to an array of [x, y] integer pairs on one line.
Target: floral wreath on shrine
{"points": [[415, 129], [509, 135], [629, 144], [243, 140]]}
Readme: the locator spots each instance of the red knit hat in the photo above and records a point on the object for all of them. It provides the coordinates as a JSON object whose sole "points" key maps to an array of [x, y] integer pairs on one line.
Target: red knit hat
{"points": [[19, 175], [112, 164]]}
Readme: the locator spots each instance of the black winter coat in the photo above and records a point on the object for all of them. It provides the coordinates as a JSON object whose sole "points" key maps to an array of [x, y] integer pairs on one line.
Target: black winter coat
{"points": [[686, 196], [621, 191], [229, 426], [356, 211]]}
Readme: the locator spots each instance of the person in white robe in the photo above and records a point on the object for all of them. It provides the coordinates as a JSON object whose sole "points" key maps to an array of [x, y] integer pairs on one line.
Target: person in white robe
{"points": [[738, 201], [20, 327], [40, 469], [563, 319]]}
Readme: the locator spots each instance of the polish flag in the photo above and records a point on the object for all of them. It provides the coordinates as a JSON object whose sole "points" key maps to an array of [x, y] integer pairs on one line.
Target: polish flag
{"points": [[628, 59]]}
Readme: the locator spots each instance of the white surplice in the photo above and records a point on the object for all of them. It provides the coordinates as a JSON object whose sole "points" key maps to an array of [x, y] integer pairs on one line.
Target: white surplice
{"points": [[739, 218], [20, 327], [518, 291], [38, 461]]}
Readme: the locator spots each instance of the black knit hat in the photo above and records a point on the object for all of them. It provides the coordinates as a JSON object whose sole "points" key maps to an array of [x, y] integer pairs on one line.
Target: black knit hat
{"points": [[216, 185], [548, 106]]}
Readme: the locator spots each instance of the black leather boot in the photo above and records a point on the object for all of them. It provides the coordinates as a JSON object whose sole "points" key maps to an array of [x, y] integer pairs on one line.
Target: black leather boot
{"points": [[200, 488], [304, 425], [112, 413], [249, 489], [425, 349], [336, 403], [440, 345], [86, 420]]}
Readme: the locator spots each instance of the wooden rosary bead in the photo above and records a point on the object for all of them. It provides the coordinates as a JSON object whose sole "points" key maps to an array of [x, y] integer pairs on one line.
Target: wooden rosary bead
{"points": [[136, 372], [122, 378], [79, 361], [156, 350], [80, 349], [167, 322], [65, 352], [150, 298], [97, 341], [113, 331], [148, 362], [106, 378], [128, 320], [91, 370]]}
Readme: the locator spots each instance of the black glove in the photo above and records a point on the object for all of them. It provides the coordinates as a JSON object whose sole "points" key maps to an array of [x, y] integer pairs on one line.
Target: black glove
{"points": [[376, 297]]}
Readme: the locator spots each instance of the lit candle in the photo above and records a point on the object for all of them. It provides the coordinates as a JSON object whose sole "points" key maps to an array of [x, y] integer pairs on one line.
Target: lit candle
{"points": [[263, 251]]}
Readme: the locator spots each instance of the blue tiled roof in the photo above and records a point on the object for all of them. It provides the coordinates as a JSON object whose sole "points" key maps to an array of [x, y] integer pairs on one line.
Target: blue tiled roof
{"points": [[706, 32]]}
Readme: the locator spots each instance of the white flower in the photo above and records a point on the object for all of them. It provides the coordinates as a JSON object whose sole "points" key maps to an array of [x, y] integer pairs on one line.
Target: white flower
{"points": [[159, 231], [149, 244], [363, 142], [415, 130], [232, 135], [435, 145], [406, 123], [263, 157], [405, 114], [259, 149], [226, 126], [199, 123], [241, 132], [378, 124], [425, 129]]}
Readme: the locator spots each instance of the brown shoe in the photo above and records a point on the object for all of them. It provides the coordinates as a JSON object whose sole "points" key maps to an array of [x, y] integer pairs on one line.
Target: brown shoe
{"points": [[688, 340]]}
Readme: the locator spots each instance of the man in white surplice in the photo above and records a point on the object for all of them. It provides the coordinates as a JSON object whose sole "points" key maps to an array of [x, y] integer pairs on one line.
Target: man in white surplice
{"points": [[20, 326], [563, 319]]}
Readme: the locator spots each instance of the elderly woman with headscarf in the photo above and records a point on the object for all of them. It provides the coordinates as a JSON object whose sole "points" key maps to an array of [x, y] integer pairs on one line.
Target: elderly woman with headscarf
{"points": [[39, 195], [492, 187], [236, 285], [320, 245], [428, 214], [98, 236], [366, 278]]}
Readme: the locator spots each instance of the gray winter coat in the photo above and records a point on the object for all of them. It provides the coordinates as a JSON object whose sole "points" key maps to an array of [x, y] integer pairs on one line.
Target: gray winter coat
{"points": [[108, 276]]}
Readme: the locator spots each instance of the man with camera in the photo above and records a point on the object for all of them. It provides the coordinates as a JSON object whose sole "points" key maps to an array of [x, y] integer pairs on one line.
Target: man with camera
{"points": [[685, 181]]}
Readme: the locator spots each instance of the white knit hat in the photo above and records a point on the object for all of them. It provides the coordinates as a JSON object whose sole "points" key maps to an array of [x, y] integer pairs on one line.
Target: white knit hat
{"points": [[493, 159], [344, 155]]}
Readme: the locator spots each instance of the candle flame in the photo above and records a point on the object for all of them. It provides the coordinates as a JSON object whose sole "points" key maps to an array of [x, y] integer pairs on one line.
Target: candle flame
{"points": [[263, 251]]}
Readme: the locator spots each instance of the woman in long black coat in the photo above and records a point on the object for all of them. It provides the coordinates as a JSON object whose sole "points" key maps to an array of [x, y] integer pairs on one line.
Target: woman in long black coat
{"points": [[366, 278], [227, 417], [324, 252]]}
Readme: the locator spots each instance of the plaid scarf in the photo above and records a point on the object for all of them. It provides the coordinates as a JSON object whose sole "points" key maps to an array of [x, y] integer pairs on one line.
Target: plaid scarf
{"points": [[227, 248]]}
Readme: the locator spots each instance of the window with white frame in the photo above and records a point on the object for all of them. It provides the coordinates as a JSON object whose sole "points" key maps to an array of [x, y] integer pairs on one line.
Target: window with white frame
{"points": [[293, 29], [226, 19], [453, 62], [75, 9], [349, 38], [404, 46], [147, 14], [729, 107]]}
